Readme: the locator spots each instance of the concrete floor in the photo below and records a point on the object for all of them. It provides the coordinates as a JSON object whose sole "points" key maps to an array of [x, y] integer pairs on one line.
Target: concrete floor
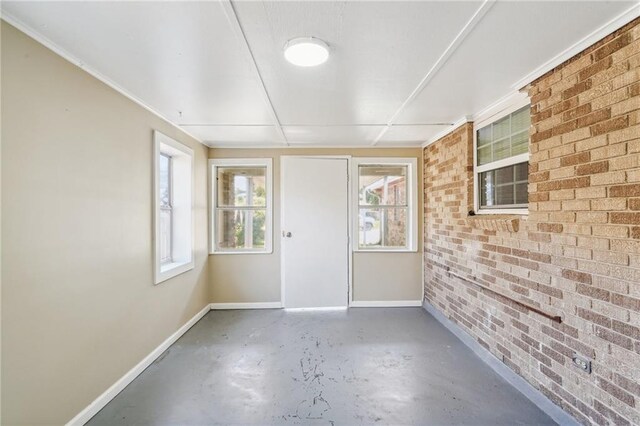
{"points": [[361, 366]]}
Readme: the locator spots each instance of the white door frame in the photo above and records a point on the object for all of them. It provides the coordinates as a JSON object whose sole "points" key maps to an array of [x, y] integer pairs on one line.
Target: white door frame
{"points": [[349, 220]]}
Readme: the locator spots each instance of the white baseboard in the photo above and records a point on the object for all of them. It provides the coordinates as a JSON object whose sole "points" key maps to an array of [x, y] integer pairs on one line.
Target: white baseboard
{"points": [[265, 305], [384, 303], [99, 403], [538, 398]]}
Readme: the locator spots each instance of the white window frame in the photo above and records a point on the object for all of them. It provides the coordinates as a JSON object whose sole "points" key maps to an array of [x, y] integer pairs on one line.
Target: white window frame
{"points": [[481, 122], [182, 187], [412, 201], [214, 164]]}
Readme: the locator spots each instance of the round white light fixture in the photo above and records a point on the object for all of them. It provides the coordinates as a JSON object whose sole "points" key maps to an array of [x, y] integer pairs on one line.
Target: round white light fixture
{"points": [[306, 51]]}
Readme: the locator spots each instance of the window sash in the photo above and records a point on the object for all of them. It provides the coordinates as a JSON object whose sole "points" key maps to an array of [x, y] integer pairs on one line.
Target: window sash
{"points": [[513, 184], [247, 226], [220, 204], [517, 104], [409, 205], [382, 234], [492, 143], [217, 209], [166, 255]]}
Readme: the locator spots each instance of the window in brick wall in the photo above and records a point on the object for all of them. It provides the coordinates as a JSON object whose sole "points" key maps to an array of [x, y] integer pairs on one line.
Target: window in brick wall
{"points": [[385, 204], [241, 210], [502, 162]]}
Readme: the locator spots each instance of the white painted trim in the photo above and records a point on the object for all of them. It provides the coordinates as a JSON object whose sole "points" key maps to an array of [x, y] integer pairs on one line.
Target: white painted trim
{"points": [[444, 57], [503, 106], [94, 73], [489, 115], [233, 145], [412, 201], [250, 305], [98, 404], [385, 303], [349, 227], [459, 122], [616, 23], [232, 18], [180, 150], [241, 162], [518, 382]]}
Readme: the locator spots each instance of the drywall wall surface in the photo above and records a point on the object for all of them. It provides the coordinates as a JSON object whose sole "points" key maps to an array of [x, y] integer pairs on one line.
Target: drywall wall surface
{"points": [[255, 278], [79, 308]]}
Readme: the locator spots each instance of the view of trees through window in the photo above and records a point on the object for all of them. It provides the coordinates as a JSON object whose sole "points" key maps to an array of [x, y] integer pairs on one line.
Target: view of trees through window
{"points": [[241, 204]]}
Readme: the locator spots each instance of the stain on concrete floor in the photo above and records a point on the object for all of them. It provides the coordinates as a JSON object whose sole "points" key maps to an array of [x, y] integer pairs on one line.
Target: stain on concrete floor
{"points": [[358, 366]]}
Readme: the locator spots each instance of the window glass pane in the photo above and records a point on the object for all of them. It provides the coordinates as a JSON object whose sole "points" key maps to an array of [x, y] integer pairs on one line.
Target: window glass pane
{"points": [[506, 138], [484, 136], [501, 150], [241, 229], [504, 187], [165, 235], [521, 120], [487, 189], [522, 172], [522, 193], [241, 186], [383, 185], [501, 128], [504, 194], [385, 227], [164, 170], [484, 155], [520, 143]]}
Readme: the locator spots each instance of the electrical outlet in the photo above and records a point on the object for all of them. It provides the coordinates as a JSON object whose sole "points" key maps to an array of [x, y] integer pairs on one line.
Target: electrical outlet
{"points": [[583, 363]]}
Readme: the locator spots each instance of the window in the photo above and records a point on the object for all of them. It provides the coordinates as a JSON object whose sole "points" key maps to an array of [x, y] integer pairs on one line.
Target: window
{"points": [[385, 204], [173, 195], [502, 162], [241, 205], [165, 209]]}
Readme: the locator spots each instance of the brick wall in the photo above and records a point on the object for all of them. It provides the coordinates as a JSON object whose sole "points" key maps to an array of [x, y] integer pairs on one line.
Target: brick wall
{"points": [[577, 253]]}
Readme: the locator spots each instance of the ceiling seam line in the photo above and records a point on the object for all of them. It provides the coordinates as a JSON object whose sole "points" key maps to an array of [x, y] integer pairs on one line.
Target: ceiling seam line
{"points": [[230, 12], [444, 57], [82, 65]]}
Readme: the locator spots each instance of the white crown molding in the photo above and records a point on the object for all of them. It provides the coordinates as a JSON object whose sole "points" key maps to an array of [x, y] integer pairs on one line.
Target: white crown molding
{"points": [[444, 57], [597, 35], [517, 96], [83, 66], [459, 122], [497, 107], [292, 146]]}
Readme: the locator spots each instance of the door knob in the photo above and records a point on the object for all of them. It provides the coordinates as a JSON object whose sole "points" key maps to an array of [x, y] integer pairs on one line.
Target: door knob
{"points": [[286, 234]]}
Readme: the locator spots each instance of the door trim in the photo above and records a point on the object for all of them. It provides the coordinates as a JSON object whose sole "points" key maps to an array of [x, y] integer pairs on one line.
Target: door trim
{"points": [[282, 159]]}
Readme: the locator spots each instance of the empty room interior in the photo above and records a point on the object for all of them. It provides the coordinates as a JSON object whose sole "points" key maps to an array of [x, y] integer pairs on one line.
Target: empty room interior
{"points": [[236, 212]]}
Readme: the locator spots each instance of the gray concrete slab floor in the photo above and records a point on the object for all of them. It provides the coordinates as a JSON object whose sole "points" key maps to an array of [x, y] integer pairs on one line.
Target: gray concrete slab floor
{"points": [[357, 366]]}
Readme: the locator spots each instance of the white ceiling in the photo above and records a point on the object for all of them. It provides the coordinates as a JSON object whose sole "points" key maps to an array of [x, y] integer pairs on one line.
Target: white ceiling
{"points": [[399, 72]]}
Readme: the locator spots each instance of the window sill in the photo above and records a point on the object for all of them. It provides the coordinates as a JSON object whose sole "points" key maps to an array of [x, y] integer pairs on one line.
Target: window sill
{"points": [[171, 270], [496, 222]]}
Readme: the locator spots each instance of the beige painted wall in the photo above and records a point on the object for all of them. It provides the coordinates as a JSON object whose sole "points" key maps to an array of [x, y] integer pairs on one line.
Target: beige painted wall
{"points": [[256, 277], [79, 307]]}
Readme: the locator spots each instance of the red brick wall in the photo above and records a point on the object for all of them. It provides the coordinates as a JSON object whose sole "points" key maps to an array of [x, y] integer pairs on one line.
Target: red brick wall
{"points": [[577, 253]]}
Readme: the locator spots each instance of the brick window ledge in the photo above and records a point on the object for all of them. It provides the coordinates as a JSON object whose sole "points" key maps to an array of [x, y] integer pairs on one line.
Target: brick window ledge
{"points": [[498, 222]]}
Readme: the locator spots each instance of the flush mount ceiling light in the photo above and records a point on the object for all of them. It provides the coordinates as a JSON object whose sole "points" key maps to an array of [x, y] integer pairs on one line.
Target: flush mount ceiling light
{"points": [[306, 51]]}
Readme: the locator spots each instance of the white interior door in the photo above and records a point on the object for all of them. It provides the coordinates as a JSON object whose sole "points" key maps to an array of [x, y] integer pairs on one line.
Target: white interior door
{"points": [[315, 232]]}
